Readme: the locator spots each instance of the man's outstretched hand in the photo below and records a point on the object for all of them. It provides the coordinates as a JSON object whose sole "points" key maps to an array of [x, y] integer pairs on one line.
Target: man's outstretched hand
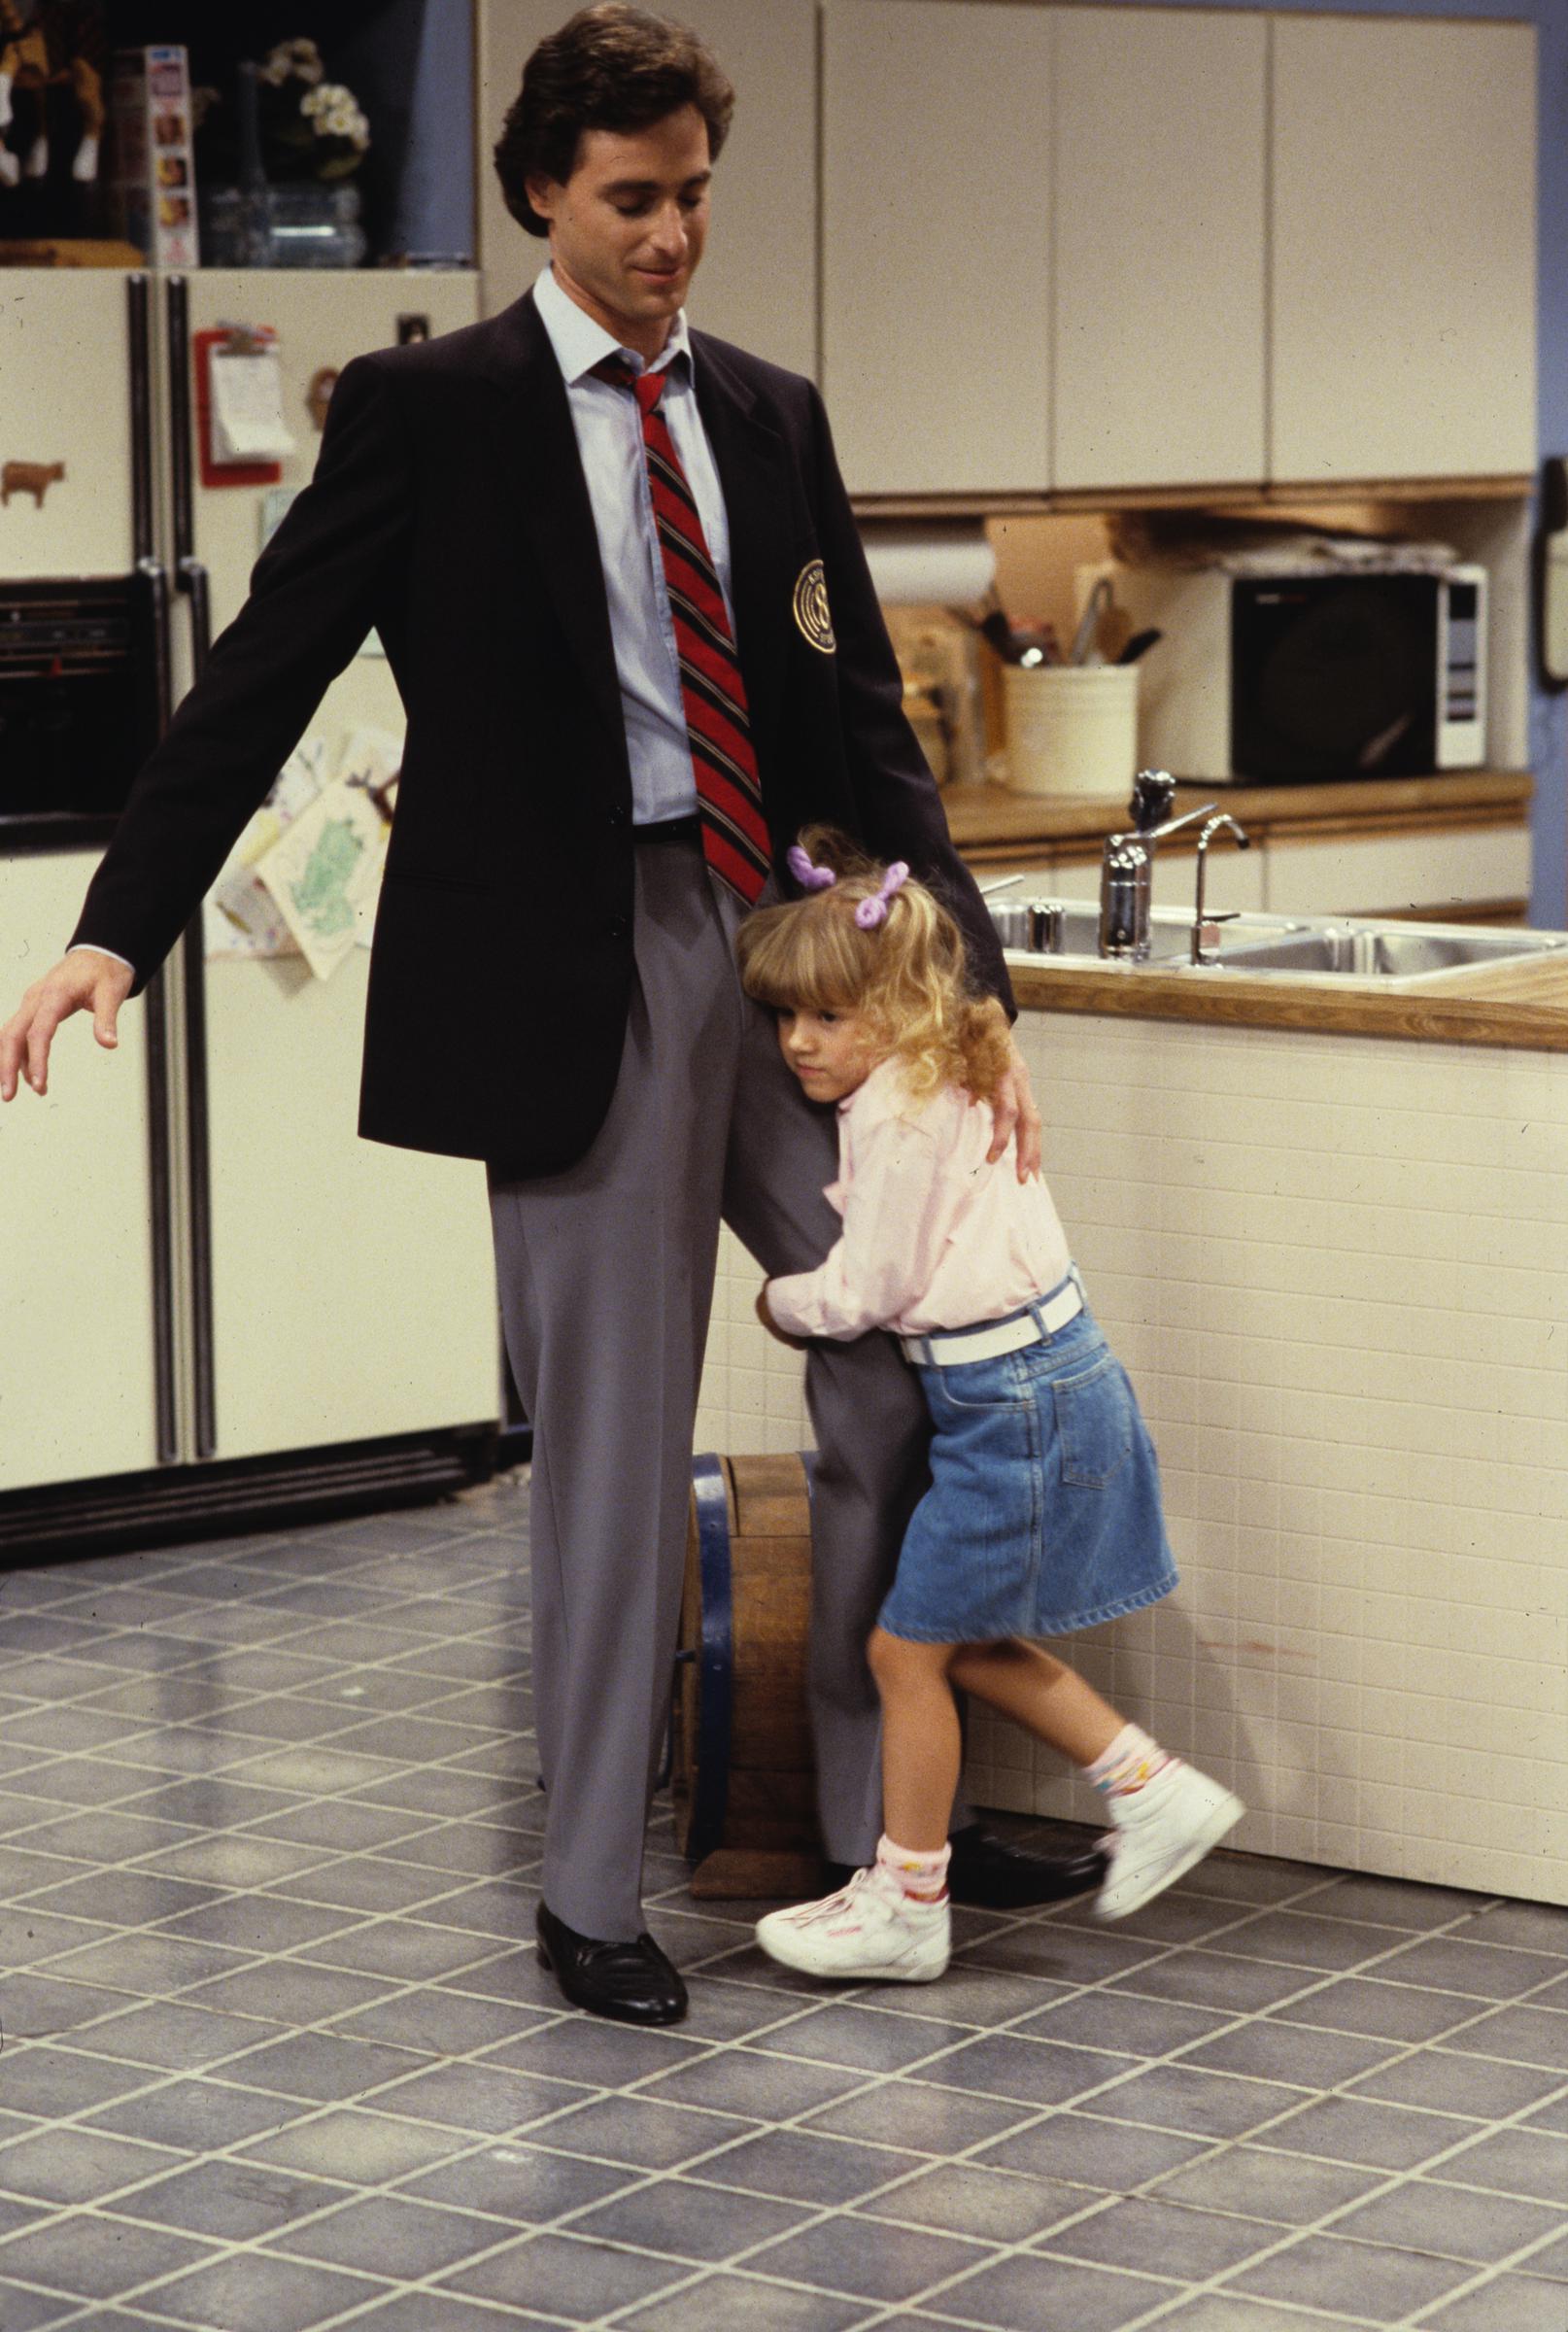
{"points": [[1014, 1112], [83, 982]]}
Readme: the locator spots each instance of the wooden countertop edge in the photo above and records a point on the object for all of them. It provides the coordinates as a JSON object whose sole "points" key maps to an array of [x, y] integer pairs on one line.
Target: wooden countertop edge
{"points": [[993, 817], [1228, 999]]}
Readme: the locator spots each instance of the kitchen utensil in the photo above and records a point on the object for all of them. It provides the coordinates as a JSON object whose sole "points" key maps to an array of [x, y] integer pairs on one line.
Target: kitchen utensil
{"points": [[1140, 644], [1094, 607]]}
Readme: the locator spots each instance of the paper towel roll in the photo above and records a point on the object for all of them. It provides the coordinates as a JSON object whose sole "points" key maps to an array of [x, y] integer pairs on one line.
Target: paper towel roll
{"points": [[913, 565]]}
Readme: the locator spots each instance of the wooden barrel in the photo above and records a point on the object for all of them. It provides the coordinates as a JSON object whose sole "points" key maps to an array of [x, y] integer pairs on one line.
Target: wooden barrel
{"points": [[742, 1775]]}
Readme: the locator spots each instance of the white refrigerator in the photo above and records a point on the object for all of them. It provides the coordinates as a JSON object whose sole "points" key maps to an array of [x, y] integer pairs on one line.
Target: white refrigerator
{"points": [[216, 1302]]}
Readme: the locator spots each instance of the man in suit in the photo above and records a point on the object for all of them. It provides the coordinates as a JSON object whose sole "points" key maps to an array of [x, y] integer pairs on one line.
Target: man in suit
{"points": [[616, 573]]}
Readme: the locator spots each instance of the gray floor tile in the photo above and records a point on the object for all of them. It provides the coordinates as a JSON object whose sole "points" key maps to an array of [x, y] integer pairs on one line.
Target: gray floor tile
{"points": [[250, 2292], [1551, 2261], [1030, 2072], [392, 2235], [1523, 2162], [197, 2115], [1222, 2311], [1485, 1971], [366, 2148], [720, 2303], [994, 2206], [1033, 2294], [477, 2098], [1368, 2279], [1525, 2035], [1091, 2152], [445, 2023], [591, 2050], [1285, 2189], [1061, 1954], [686, 2221], [1309, 2056], [30, 2311], [805, 2167], [1533, 1926], [1381, 2010], [177, 2039], [1124, 2022], [441, 2312], [95, 2258], [763, 2088], [398, 1948], [559, 2276], [54, 2082], [1209, 2104], [932, 2120], [1448, 2083], [320, 2066], [1357, 2129], [1422, 2217], [522, 2185], [231, 2201], [1207, 1979], [1553, 2115], [1508, 2303], [895, 2264], [1302, 1939], [78, 2166], [646, 2135], [1156, 2237]]}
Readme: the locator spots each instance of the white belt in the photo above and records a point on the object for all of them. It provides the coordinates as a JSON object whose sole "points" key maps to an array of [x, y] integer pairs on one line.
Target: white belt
{"points": [[951, 1347]]}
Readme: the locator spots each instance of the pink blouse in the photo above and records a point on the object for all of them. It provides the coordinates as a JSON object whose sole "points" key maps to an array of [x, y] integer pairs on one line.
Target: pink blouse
{"points": [[934, 1236]]}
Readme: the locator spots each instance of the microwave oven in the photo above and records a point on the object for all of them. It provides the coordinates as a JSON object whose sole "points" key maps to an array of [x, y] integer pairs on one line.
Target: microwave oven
{"points": [[1279, 678]]}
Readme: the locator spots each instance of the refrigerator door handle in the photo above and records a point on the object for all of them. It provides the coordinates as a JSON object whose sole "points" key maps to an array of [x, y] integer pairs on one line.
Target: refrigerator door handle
{"points": [[154, 581], [192, 580]]}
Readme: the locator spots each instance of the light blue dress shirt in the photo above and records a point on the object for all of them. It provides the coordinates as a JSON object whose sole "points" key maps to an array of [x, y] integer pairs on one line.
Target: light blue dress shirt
{"points": [[609, 440]]}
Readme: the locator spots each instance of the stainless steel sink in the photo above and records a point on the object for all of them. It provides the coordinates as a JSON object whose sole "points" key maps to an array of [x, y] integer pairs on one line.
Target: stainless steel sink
{"points": [[1387, 952], [1069, 929]]}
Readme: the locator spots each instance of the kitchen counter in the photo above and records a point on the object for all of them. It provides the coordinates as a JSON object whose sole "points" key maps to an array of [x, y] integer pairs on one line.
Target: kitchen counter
{"points": [[991, 824], [1523, 1005]]}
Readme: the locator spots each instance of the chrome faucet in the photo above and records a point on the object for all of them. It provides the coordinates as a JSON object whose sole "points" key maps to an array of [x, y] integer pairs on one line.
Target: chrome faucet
{"points": [[1204, 932], [1127, 875]]}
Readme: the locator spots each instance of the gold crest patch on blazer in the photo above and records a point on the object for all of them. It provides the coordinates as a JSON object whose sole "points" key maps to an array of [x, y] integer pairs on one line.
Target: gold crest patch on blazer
{"points": [[811, 607]]}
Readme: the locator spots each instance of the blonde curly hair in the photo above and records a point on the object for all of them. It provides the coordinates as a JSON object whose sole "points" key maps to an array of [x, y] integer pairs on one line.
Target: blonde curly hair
{"points": [[906, 977]]}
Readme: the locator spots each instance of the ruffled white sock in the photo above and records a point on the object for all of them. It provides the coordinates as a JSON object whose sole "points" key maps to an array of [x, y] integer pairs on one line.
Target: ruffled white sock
{"points": [[920, 1876], [1133, 1757]]}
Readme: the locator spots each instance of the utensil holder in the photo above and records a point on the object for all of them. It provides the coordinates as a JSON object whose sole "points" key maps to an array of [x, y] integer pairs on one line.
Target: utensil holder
{"points": [[1071, 728]]}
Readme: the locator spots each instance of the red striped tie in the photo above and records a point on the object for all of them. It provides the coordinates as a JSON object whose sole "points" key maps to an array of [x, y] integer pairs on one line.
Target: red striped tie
{"points": [[735, 840]]}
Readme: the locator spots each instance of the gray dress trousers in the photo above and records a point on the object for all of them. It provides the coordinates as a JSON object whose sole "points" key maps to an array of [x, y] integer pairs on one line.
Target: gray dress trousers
{"points": [[606, 1277]]}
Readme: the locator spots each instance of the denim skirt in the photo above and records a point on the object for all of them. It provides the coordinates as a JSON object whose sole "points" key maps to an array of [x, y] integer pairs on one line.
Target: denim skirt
{"points": [[1044, 1512]]}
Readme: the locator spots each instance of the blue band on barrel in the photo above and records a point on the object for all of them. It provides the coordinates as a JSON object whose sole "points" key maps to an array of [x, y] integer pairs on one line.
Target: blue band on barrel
{"points": [[711, 1792]]}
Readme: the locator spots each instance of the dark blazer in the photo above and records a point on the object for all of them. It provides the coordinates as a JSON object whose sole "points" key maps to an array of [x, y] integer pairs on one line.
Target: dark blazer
{"points": [[449, 509]]}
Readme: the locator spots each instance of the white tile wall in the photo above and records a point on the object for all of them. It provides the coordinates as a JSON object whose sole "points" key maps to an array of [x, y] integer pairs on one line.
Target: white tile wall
{"points": [[1337, 1269]]}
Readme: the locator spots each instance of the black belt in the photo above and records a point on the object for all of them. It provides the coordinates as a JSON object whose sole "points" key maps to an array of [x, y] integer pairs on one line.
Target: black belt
{"points": [[670, 830]]}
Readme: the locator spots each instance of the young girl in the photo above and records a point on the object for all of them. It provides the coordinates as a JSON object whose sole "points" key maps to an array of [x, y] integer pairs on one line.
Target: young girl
{"points": [[1044, 1511]]}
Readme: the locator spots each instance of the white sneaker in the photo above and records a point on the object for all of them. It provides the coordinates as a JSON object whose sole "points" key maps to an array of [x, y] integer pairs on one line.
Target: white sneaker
{"points": [[869, 1929], [1160, 1831]]}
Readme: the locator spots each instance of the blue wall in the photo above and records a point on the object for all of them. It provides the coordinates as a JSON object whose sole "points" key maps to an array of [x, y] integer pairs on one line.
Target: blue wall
{"points": [[1548, 715]]}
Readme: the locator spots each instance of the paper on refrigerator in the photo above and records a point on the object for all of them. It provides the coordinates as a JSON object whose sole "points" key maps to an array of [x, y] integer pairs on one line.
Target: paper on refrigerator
{"points": [[241, 916], [324, 872]]}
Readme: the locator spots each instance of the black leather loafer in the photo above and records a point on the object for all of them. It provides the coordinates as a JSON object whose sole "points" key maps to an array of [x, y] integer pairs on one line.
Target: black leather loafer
{"points": [[634, 1982], [988, 1872]]}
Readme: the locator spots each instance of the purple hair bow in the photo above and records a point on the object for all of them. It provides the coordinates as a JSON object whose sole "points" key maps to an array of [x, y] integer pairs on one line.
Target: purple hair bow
{"points": [[809, 877], [872, 911]]}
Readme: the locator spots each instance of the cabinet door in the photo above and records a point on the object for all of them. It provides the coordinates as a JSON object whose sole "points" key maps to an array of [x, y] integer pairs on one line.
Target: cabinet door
{"points": [[65, 447], [758, 280], [1159, 294], [936, 242], [78, 1397], [1404, 248]]}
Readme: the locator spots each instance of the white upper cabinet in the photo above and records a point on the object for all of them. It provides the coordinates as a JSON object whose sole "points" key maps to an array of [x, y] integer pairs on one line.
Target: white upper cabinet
{"points": [[1159, 178], [937, 244], [758, 280], [1404, 248]]}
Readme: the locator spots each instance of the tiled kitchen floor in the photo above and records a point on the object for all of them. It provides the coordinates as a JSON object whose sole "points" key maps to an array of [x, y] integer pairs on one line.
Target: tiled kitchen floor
{"points": [[277, 2054]]}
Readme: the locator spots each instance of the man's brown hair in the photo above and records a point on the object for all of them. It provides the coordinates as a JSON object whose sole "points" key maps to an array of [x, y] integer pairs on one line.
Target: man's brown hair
{"points": [[612, 67]]}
